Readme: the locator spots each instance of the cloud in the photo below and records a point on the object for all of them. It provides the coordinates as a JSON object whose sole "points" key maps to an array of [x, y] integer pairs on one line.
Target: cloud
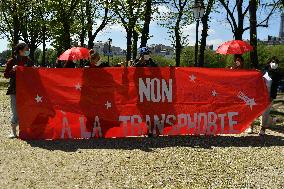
{"points": [[215, 42], [190, 32]]}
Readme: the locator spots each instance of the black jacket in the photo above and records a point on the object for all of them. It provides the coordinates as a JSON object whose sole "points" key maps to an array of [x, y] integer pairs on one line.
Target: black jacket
{"points": [[149, 63], [276, 77]]}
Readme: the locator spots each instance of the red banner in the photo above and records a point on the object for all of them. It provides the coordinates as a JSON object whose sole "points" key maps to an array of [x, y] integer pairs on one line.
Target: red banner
{"points": [[121, 102]]}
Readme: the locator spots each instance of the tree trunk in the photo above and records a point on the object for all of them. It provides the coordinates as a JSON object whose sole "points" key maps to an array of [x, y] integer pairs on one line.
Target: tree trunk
{"points": [[147, 21], [253, 33], [66, 35], [135, 45], [203, 42], [204, 34], [89, 25], [32, 53], [129, 44], [196, 62], [43, 45], [16, 29], [178, 39], [82, 37], [178, 47], [240, 30]]}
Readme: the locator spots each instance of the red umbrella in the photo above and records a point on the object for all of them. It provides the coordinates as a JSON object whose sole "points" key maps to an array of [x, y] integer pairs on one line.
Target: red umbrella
{"points": [[75, 53], [234, 47]]}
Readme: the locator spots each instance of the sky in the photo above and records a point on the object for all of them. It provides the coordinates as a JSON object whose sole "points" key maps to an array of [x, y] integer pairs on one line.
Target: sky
{"points": [[219, 32]]}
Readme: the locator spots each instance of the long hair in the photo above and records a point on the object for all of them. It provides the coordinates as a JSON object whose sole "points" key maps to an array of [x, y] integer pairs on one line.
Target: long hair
{"points": [[18, 48], [273, 59]]}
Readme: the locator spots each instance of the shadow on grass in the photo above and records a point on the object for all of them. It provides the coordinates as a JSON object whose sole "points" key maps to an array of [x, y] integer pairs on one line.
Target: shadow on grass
{"points": [[277, 128], [148, 144], [279, 101], [275, 112]]}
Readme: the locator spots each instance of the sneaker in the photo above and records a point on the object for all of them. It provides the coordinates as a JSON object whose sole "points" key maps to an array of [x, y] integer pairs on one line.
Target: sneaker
{"points": [[249, 131], [262, 132], [12, 136]]}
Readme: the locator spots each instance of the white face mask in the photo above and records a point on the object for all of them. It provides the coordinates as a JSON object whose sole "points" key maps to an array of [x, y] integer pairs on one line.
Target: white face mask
{"points": [[273, 65], [147, 57]]}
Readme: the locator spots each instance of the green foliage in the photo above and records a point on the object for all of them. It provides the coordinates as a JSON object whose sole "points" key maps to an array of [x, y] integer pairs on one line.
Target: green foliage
{"points": [[178, 16], [163, 61], [212, 60], [5, 55]]}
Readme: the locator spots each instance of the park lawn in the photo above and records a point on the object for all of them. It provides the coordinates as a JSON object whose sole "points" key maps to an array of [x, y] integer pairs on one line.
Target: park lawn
{"points": [[245, 161]]}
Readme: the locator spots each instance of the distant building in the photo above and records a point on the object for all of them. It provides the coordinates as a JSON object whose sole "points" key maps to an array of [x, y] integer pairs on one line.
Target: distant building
{"points": [[163, 50], [280, 39], [103, 48]]}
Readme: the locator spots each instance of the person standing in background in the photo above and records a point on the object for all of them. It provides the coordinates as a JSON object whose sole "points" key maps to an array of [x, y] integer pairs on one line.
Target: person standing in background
{"points": [[20, 58], [145, 59], [69, 64], [238, 62], [273, 77]]}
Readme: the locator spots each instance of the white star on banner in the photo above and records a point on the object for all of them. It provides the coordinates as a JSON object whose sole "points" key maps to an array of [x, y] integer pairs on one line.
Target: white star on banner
{"points": [[251, 103], [192, 78], [38, 98], [214, 93], [108, 105], [78, 87]]}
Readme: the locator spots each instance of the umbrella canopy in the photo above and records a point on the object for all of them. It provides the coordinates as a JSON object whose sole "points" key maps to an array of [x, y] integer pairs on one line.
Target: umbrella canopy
{"points": [[75, 53], [234, 47]]}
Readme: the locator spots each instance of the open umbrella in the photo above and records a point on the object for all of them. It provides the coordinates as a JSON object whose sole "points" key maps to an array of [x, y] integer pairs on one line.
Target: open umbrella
{"points": [[75, 53], [234, 47]]}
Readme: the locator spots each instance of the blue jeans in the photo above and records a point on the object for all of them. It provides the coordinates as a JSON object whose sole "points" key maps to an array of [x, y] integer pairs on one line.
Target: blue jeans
{"points": [[14, 119]]}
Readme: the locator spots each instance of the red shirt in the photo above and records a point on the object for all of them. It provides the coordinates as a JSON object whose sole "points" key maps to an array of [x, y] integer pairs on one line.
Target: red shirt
{"points": [[9, 72]]}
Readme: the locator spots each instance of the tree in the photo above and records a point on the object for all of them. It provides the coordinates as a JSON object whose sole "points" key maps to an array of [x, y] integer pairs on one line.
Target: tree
{"points": [[253, 32], [44, 12], [128, 12], [254, 6], [147, 19], [237, 11], [236, 20], [10, 17], [63, 18], [179, 15], [97, 9], [33, 27], [204, 33]]}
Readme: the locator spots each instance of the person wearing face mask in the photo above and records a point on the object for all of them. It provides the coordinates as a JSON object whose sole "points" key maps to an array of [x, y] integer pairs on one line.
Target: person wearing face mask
{"points": [[273, 78], [20, 58], [145, 59]]}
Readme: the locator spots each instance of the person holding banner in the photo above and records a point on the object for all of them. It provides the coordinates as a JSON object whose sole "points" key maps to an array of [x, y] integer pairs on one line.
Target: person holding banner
{"points": [[20, 58], [145, 59], [69, 64], [96, 60], [272, 77], [238, 62]]}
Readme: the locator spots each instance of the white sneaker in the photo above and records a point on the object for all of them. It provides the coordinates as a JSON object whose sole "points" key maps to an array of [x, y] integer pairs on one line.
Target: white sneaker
{"points": [[12, 136], [249, 131]]}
